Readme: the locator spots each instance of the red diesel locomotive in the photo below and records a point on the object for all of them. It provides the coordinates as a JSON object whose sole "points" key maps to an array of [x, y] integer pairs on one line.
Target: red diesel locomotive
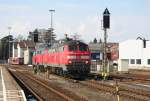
{"points": [[69, 57]]}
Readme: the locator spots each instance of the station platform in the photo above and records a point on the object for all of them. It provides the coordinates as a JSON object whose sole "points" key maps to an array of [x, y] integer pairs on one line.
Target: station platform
{"points": [[9, 89]]}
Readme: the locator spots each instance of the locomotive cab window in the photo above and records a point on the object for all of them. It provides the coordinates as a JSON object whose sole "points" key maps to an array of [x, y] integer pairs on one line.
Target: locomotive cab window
{"points": [[73, 47], [83, 47]]}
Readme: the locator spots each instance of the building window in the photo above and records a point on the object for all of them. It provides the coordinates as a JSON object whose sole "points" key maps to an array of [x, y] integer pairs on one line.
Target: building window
{"points": [[132, 61], [148, 61], [138, 61]]}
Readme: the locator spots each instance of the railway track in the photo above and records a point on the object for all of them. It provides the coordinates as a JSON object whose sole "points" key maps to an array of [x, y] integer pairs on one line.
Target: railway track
{"points": [[131, 76], [117, 90], [139, 70], [42, 90], [123, 91]]}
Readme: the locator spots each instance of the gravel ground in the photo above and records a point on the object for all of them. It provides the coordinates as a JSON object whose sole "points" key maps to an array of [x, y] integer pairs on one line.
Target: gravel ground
{"points": [[83, 91]]}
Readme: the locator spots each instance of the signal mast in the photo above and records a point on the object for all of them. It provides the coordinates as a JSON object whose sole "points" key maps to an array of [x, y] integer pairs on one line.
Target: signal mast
{"points": [[106, 25]]}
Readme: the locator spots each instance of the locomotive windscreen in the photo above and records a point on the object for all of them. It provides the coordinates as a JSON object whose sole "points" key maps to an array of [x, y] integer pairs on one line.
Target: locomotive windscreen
{"points": [[83, 47], [78, 46], [73, 47]]}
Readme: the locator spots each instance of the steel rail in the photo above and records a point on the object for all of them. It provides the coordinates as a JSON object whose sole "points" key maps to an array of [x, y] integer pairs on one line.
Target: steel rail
{"points": [[122, 91], [53, 90], [48, 87], [30, 89]]}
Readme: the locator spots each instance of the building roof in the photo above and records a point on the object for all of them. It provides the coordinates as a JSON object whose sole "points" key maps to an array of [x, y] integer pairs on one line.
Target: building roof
{"points": [[95, 46], [29, 43], [26, 43], [110, 44], [22, 44]]}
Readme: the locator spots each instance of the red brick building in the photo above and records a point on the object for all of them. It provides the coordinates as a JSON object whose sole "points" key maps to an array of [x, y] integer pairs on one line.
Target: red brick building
{"points": [[112, 51]]}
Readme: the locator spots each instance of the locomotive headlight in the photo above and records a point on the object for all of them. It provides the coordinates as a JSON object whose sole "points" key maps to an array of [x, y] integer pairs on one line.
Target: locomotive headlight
{"points": [[71, 57], [86, 62], [70, 62], [85, 57]]}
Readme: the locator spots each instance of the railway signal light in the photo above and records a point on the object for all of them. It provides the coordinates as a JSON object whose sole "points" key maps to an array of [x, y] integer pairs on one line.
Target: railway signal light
{"points": [[106, 19], [35, 33], [35, 37], [106, 25]]}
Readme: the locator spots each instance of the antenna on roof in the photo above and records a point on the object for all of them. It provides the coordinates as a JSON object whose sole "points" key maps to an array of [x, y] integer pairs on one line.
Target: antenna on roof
{"points": [[144, 41]]}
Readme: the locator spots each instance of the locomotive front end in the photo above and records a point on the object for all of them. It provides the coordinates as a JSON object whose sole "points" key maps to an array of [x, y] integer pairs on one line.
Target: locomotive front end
{"points": [[78, 59]]}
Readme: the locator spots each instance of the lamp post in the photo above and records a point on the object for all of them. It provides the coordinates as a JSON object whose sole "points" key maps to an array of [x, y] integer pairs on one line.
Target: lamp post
{"points": [[51, 28], [52, 10]]}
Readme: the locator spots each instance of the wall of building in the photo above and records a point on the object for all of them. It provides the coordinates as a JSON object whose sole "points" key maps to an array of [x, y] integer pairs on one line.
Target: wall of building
{"points": [[96, 56], [20, 52], [14, 52], [28, 53], [112, 51], [26, 56], [133, 51]]}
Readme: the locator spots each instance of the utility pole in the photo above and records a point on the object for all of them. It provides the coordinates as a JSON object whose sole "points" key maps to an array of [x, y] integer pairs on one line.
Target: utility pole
{"points": [[106, 25], [52, 10], [51, 28], [9, 29]]}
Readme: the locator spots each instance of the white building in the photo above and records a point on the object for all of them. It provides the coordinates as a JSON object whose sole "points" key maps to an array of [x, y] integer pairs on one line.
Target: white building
{"points": [[28, 52], [133, 54], [14, 50], [23, 49], [21, 46]]}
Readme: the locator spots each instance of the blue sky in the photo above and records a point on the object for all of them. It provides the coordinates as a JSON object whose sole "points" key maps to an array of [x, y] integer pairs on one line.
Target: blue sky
{"points": [[129, 18]]}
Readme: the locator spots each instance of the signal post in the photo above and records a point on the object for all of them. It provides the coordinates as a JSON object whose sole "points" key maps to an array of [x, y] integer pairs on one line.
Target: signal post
{"points": [[106, 25]]}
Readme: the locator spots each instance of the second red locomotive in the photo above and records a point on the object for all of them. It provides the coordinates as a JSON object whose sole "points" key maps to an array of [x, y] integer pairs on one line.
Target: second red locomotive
{"points": [[69, 57]]}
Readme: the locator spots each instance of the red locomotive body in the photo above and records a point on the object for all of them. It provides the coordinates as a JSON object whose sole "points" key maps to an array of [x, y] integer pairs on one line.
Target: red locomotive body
{"points": [[71, 57]]}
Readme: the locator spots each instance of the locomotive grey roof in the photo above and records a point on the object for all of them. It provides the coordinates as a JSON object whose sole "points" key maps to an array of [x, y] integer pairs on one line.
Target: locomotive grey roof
{"points": [[67, 42], [73, 42]]}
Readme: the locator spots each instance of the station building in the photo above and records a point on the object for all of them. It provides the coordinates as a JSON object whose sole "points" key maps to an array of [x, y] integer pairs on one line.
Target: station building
{"points": [[23, 50], [97, 55], [134, 54]]}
